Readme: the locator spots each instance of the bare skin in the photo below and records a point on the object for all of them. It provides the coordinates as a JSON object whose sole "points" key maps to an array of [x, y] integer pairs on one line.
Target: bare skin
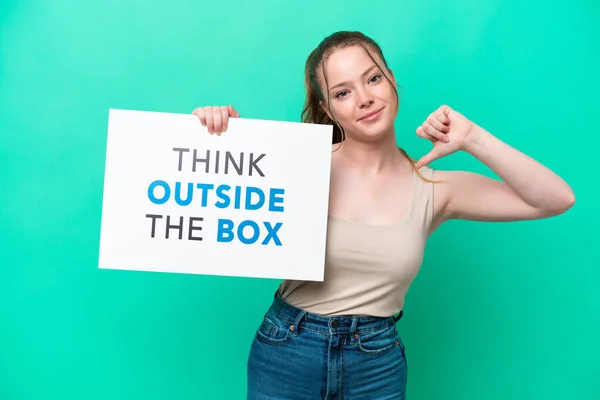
{"points": [[371, 180]]}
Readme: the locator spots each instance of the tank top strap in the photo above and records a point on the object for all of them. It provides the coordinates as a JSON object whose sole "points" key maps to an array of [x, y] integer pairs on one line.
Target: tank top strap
{"points": [[422, 198]]}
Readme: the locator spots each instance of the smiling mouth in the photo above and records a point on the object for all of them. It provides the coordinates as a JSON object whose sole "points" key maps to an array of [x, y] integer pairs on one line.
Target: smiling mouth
{"points": [[371, 114]]}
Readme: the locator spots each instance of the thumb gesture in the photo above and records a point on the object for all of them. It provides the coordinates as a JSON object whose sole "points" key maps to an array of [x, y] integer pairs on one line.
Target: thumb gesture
{"points": [[447, 130]]}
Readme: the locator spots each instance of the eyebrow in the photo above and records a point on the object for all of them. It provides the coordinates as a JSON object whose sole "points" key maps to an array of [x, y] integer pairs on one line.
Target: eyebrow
{"points": [[362, 75]]}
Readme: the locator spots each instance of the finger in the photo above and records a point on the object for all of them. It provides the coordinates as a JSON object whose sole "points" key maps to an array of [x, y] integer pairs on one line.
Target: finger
{"points": [[209, 119], [443, 118], [224, 118], [217, 120], [435, 121], [432, 131], [199, 112], [233, 113], [446, 110], [426, 159], [422, 134]]}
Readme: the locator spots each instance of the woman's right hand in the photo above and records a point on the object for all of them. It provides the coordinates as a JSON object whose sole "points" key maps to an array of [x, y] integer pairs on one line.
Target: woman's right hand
{"points": [[215, 118]]}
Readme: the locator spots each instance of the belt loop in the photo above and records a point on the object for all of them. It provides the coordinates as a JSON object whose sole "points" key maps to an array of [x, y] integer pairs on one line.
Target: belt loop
{"points": [[353, 334], [354, 323], [297, 321]]}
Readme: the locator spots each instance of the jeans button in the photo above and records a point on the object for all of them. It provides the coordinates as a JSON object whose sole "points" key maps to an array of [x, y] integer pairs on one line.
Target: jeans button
{"points": [[335, 324]]}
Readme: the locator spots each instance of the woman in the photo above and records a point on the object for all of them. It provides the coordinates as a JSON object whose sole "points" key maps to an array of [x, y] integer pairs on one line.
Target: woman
{"points": [[338, 339]]}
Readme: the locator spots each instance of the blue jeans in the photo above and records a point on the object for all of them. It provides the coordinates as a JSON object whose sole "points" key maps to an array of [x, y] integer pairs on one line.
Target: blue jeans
{"points": [[301, 355]]}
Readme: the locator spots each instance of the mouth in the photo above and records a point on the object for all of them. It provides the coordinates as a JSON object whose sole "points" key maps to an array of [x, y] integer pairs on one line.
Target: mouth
{"points": [[371, 116]]}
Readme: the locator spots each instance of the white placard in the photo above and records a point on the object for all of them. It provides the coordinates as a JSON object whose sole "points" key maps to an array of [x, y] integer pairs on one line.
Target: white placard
{"points": [[257, 205]]}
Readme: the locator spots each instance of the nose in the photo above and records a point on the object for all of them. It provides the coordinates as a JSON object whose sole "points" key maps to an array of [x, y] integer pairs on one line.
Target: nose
{"points": [[364, 98]]}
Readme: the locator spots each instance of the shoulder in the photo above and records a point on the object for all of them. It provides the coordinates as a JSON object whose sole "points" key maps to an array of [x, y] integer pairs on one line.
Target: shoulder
{"points": [[473, 196]]}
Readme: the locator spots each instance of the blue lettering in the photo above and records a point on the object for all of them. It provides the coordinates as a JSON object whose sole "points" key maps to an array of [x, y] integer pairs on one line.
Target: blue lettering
{"points": [[225, 230], [261, 198], [238, 197], [274, 199], [205, 187], [165, 197], [188, 200], [225, 198], [254, 227], [272, 233]]}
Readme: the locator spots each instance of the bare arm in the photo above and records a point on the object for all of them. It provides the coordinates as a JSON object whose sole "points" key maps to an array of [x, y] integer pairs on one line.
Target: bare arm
{"points": [[527, 189]]}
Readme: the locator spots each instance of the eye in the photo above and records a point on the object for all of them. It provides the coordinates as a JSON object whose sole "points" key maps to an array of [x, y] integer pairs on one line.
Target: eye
{"points": [[374, 78], [339, 94]]}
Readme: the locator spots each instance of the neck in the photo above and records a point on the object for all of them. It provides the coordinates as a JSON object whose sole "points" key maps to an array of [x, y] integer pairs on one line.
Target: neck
{"points": [[373, 157]]}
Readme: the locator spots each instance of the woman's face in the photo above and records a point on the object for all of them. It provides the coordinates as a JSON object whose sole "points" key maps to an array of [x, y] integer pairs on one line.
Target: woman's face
{"points": [[361, 98]]}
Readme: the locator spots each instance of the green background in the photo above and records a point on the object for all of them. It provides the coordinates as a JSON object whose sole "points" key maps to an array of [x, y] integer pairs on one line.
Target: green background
{"points": [[499, 310]]}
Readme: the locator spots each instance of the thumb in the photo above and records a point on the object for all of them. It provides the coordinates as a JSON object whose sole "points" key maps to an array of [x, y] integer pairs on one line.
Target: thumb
{"points": [[233, 113], [426, 159]]}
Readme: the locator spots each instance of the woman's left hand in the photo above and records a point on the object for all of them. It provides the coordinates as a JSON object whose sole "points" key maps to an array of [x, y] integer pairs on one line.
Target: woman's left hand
{"points": [[448, 130]]}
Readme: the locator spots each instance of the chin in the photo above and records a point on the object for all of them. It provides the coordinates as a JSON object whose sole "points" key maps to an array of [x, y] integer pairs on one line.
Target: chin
{"points": [[374, 132], [372, 135]]}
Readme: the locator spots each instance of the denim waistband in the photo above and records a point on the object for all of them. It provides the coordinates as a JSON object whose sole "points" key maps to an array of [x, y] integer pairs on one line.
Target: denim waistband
{"points": [[338, 324]]}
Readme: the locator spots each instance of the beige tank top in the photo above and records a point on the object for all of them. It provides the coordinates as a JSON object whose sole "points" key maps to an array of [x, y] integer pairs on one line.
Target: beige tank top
{"points": [[369, 269]]}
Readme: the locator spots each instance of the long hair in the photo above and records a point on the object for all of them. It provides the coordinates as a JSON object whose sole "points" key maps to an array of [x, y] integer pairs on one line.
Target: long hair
{"points": [[313, 112]]}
